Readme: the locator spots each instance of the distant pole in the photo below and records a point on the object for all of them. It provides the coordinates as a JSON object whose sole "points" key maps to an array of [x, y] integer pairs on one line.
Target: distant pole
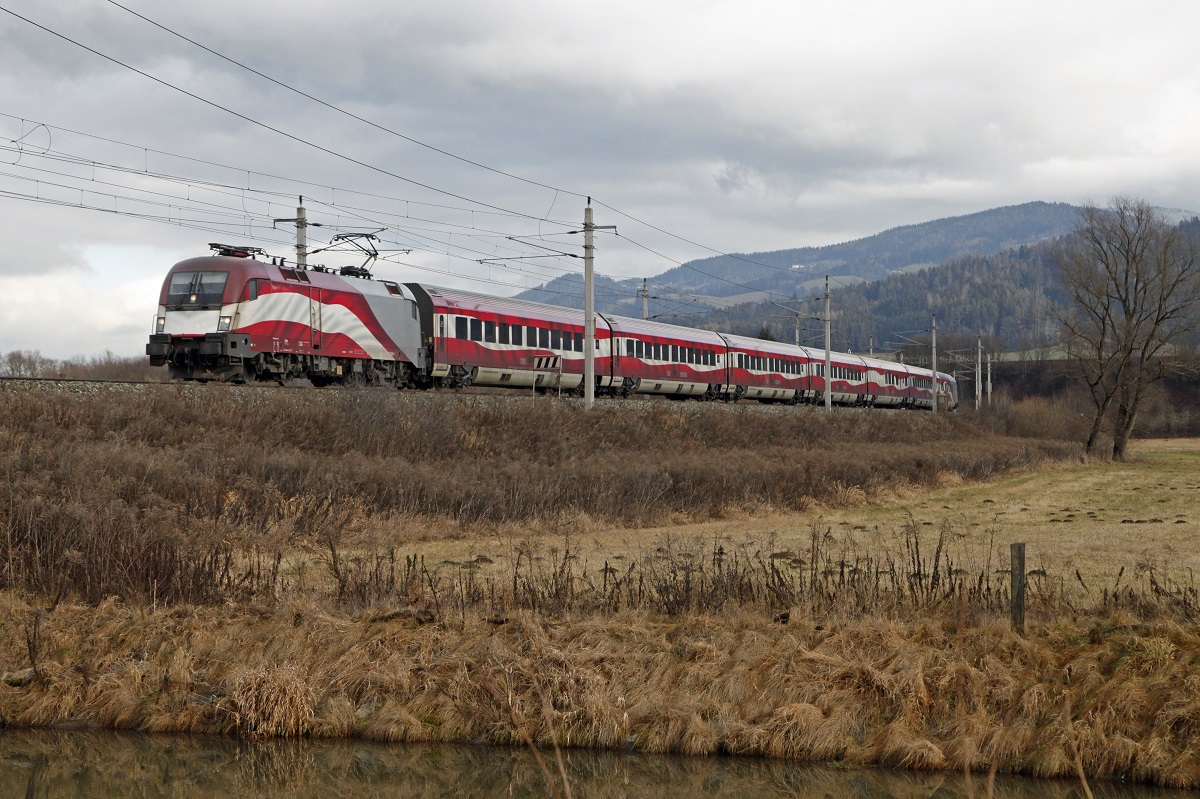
{"points": [[1017, 587], [933, 364], [989, 380], [302, 235], [797, 329], [828, 358], [871, 345], [978, 372], [645, 299], [589, 313]]}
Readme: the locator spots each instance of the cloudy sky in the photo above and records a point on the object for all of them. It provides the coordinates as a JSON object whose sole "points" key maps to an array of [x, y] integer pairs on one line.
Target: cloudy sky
{"points": [[697, 127]]}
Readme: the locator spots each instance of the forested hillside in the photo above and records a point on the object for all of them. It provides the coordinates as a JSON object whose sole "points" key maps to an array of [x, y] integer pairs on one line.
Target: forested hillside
{"points": [[1005, 297]]}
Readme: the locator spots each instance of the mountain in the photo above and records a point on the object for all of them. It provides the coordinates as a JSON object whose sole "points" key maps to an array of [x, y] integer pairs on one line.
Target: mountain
{"points": [[801, 271], [905, 248]]}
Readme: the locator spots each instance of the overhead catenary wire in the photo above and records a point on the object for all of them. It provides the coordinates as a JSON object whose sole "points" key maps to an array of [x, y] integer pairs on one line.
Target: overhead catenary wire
{"points": [[482, 204], [341, 110], [259, 123], [239, 170], [333, 189], [558, 190], [240, 192]]}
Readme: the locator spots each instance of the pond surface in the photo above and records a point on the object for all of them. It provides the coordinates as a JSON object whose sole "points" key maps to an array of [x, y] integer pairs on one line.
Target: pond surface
{"points": [[40, 764]]}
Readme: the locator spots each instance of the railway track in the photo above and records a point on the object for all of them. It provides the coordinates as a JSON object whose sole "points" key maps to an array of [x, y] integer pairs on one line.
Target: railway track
{"points": [[88, 386]]}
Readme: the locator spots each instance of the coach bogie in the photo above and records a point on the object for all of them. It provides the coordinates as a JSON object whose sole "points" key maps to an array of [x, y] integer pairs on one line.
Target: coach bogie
{"points": [[672, 388]]}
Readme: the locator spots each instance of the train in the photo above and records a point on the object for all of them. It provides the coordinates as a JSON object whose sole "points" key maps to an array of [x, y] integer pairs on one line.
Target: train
{"points": [[240, 315]]}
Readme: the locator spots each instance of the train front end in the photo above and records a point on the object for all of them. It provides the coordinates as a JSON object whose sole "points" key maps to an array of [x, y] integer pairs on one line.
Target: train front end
{"points": [[195, 330]]}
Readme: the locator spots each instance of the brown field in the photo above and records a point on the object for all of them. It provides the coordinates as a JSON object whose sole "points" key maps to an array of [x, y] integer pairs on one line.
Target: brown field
{"points": [[1097, 518], [659, 577]]}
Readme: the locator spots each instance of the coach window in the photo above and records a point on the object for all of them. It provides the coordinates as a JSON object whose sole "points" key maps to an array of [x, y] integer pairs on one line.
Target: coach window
{"points": [[502, 333], [489, 332], [555, 340], [460, 327], [639, 348], [579, 342], [476, 330], [544, 338], [516, 334]]}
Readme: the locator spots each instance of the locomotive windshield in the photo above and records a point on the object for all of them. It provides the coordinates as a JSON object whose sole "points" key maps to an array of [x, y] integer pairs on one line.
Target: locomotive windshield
{"points": [[196, 289]]}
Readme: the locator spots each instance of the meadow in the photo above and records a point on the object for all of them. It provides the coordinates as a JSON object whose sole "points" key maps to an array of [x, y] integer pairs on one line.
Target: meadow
{"points": [[657, 576]]}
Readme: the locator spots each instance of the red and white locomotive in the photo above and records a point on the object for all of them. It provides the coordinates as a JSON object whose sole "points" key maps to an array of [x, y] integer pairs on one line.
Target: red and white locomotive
{"points": [[234, 317]]}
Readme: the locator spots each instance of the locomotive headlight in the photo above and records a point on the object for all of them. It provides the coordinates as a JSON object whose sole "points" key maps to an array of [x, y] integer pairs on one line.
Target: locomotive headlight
{"points": [[223, 323], [160, 324]]}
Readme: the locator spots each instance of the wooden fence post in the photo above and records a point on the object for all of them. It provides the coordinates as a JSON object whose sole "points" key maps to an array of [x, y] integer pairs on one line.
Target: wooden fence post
{"points": [[1017, 584]]}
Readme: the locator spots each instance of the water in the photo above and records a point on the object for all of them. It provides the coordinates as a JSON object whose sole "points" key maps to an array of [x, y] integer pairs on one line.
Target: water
{"points": [[45, 764]]}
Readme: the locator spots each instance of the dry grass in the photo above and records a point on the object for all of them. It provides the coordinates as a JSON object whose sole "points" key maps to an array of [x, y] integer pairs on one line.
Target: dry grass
{"points": [[297, 563], [927, 694], [187, 494]]}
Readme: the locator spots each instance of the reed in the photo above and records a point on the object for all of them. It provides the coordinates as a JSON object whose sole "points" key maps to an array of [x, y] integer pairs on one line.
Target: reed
{"points": [[1110, 695]]}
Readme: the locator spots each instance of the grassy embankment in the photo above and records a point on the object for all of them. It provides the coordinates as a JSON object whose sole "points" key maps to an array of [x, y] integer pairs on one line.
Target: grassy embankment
{"points": [[295, 562]]}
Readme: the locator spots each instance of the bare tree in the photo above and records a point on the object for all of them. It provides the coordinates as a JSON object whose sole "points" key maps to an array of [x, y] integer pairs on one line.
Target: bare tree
{"points": [[1133, 281], [26, 363]]}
